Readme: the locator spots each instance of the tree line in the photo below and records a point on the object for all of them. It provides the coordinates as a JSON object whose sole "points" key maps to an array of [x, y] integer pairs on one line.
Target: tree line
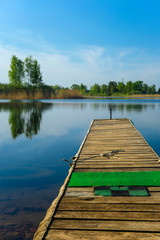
{"points": [[114, 88]]}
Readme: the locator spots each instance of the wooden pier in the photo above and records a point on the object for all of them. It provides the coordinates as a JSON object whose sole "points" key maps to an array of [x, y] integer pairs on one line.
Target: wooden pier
{"points": [[77, 213]]}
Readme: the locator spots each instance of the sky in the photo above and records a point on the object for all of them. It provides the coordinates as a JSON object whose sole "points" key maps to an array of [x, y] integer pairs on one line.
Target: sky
{"points": [[83, 41]]}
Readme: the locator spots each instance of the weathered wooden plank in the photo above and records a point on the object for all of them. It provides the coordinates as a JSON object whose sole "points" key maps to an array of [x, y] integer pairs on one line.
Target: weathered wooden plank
{"points": [[114, 132], [141, 216], [129, 144], [108, 207], [127, 151], [118, 157], [60, 234], [98, 166], [104, 142], [116, 127], [154, 189], [109, 165], [116, 160], [80, 194], [107, 140], [89, 197], [131, 169], [106, 225]]}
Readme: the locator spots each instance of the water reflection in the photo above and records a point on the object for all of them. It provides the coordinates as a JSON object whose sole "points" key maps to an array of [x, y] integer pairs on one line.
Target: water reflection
{"points": [[102, 104], [121, 107], [25, 117]]}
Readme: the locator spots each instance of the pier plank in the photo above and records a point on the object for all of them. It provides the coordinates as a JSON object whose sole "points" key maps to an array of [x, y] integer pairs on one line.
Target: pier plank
{"points": [[144, 226], [142, 216], [88, 197], [60, 234], [120, 169], [109, 207]]}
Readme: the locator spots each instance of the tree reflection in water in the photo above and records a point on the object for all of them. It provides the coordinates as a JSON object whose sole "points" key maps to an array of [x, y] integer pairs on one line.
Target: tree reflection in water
{"points": [[25, 117]]}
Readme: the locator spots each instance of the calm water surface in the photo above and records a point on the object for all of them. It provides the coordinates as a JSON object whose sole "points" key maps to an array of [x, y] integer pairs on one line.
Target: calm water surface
{"points": [[34, 138]]}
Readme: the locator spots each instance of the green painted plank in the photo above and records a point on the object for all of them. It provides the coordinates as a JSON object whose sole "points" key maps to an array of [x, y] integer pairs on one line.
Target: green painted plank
{"points": [[89, 179]]}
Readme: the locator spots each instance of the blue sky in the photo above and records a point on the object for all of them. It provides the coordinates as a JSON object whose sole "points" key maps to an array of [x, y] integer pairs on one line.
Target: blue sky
{"points": [[83, 40]]}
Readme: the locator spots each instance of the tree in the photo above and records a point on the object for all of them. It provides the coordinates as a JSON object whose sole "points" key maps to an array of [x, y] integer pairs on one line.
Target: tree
{"points": [[83, 88], [137, 86], [149, 90], [33, 73], [29, 68], [36, 76], [112, 87], [153, 89], [104, 90], [121, 87], [95, 89], [128, 86], [75, 86], [144, 88], [16, 73]]}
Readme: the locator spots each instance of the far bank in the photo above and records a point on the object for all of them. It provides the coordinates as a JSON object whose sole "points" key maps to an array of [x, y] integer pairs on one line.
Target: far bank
{"points": [[49, 93]]}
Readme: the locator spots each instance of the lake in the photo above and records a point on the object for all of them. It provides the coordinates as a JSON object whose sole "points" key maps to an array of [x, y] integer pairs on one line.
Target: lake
{"points": [[35, 136]]}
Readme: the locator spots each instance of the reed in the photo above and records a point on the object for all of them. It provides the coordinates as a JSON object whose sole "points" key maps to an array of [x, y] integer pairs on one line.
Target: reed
{"points": [[40, 93]]}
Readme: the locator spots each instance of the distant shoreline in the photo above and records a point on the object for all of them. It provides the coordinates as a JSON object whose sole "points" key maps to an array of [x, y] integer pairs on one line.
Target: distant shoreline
{"points": [[137, 96], [20, 96]]}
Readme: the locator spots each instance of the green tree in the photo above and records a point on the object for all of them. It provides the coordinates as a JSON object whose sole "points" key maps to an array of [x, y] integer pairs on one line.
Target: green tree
{"points": [[104, 90], [16, 72], [95, 89], [29, 68], [149, 90], [83, 88], [153, 89], [36, 76], [144, 88], [33, 73], [112, 87], [121, 87], [137, 86], [128, 86], [75, 86]]}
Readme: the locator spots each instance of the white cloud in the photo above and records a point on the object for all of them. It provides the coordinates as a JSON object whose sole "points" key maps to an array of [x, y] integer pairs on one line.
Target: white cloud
{"points": [[125, 53], [87, 64]]}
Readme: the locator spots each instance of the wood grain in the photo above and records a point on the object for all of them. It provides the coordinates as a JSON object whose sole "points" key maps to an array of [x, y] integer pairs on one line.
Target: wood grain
{"points": [[55, 234]]}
